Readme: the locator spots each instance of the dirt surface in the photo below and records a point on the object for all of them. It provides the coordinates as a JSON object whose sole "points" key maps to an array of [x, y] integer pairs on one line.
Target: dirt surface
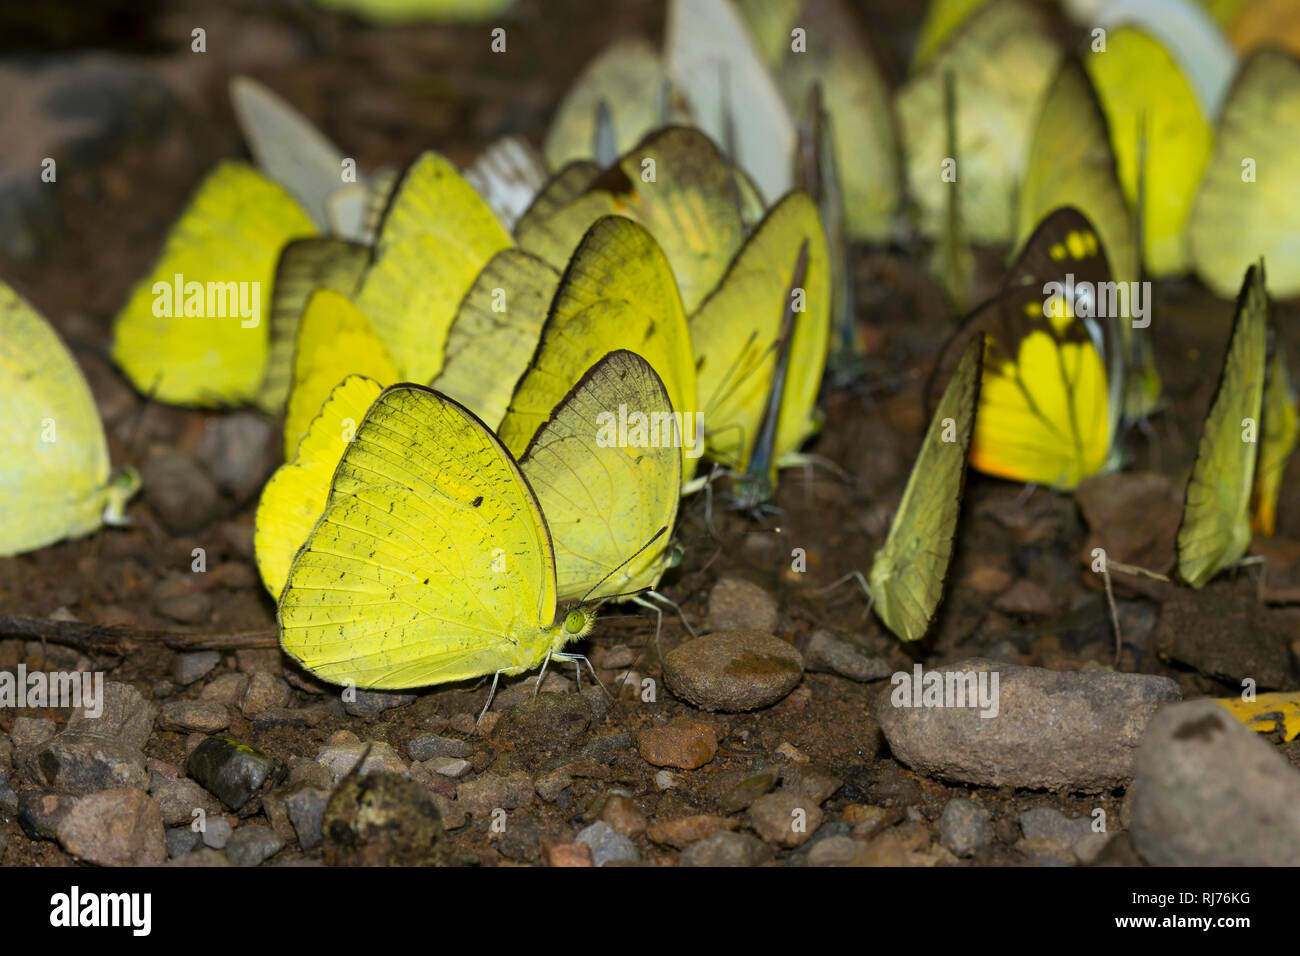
{"points": [[1020, 583]]}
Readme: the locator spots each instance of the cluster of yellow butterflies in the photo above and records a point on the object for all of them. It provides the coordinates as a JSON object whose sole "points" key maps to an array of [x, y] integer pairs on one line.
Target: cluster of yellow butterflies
{"points": [[497, 384]]}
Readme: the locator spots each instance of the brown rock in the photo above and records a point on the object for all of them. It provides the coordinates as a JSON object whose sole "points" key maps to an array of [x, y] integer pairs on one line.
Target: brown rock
{"points": [[684, 831], [568, 854], [685, 744], [121, 827], [785, 818], [733, 671]]}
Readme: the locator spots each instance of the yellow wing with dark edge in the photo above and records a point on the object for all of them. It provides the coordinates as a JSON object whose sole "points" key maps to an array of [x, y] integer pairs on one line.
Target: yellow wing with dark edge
{"points": [[617, 293], [432, 561], [607, 496], [908, 572], [1215, 530], [203, 350], [1050, 399]]}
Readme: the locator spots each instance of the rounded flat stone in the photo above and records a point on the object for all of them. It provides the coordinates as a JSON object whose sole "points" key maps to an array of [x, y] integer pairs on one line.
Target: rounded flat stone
{"points": [[733, 670]]}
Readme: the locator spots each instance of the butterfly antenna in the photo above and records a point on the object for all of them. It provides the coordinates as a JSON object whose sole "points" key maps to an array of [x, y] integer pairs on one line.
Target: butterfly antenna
{"points": [[729, 134], [586, 598], [603, 147]]}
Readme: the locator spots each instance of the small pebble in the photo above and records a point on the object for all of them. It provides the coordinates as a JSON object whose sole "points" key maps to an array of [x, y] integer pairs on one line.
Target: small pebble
{"points": [[608, 845], [428, 746], [252, 844], [965, 827], [684, 744], [568, 854], [216, 832], [784, 818], [195, 666], [726, 848], [198, 716], [231, 770]]}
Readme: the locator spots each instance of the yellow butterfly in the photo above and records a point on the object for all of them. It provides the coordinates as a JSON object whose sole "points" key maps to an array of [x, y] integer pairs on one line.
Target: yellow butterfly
{"points": [[675, 183], [908, 572], [435, 238], [192, 331], [435, 250], [1248, 204], [1215, 529], [617, 293], [628, 79], [1160, 136], [305, 266], [1053, 372], [605, 488], [737, 331], [433, 561], [54, 481], [1002, 58]]}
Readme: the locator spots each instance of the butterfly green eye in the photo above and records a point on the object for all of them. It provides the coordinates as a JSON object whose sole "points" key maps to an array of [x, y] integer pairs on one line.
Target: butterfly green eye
{"points": [[575, 621], [675, 556]]}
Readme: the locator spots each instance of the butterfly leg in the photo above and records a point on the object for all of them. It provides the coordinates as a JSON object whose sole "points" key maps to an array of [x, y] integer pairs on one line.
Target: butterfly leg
{"points": [[579, 660], [541, 675], [491, 694], [862, 582]]}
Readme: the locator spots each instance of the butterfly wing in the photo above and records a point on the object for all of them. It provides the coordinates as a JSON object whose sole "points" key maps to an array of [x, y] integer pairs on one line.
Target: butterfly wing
{"points": [[295, 495], [335, 340], [495, 333], [200, 349], [1051, 386], [734, 334], [908, 572], [55, 469], [1215, 529], [606, 499], [1248, 205], [432, 561], [305, 265], [435, 238], [617, 293], [1281, 429]]}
